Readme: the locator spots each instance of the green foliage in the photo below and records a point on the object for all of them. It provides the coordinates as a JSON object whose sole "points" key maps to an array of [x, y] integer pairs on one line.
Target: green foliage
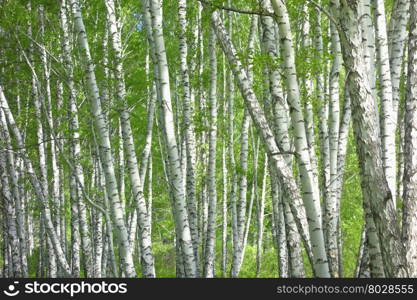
{"points": [[33, 261], [164, 260], [351, 211], [269, 263]]}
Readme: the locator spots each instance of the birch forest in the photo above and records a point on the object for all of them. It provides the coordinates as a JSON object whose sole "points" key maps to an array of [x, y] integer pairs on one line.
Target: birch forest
{"points": [[208, 138]]}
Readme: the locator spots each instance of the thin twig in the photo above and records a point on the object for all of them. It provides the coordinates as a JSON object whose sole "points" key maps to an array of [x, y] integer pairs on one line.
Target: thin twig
{"points": [[236, 10], [329, 15]]}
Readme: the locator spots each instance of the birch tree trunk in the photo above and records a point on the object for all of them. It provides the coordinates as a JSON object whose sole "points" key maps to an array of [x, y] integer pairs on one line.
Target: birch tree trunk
{"points": [[323, 95], [15, 200], [46, 104], [269, 141], [36, 185], [241, 205], [211, 173], [409, 225], [104, 144], [230, 95], [388, 113], [307, 89], [147, 259], [181, 215], [368, 144], [39, 101], [146, 152], [8, 200], [97, 225], [309, 184], [281, 127]]}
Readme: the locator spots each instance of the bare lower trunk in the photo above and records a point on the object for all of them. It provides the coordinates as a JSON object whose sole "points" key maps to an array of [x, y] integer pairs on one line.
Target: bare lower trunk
{"points": [[409, 226]]}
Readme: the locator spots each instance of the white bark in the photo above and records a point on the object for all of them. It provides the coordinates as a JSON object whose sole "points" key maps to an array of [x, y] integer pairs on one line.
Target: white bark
{"points": [[189, 126], [16, 202], [368, 144], [309, 184], [224, 212], [258, 117], [397, 37], [331, 206], [104, 144], [211, 173], [368, 42], [278, 114], [260, 209], [409, 234], [388, 114], [36, 185], [147, 260], [8, 200], [181, 216]]}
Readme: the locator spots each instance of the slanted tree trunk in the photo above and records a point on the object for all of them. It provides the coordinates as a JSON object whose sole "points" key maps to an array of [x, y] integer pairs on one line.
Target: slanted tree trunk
{"points": [[331, 217], [16, 208], [104, 144], [189, 127], [368, 143], [279, 120], [388, 113], [397, 37], [309, 184], [260, 210], [59, 253], [368, 43], [265, 132], [8, 200], [147, 259]]}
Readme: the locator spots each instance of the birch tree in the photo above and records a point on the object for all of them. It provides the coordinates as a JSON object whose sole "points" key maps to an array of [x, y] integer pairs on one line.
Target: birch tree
{"points": [[409, 226], [104, 144], [262, 126], [372, 174], [181, 215], [147, 260]]}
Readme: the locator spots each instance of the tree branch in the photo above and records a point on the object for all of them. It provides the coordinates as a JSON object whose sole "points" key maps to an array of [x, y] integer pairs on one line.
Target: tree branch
{"points": [[236, 10]]}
